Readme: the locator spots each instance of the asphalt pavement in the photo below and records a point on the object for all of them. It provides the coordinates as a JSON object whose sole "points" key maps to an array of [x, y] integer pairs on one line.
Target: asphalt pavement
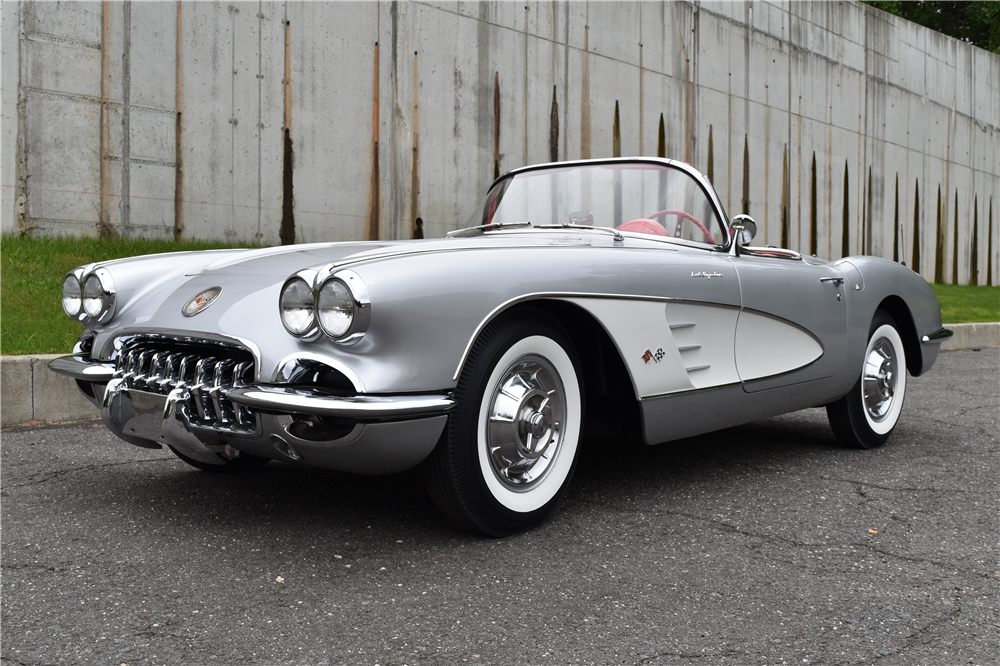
{"points": [[762, 544]]}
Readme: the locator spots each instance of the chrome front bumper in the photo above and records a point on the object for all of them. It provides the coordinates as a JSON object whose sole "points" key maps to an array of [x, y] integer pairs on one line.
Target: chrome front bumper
{"points": [[938, 336], [383, 433]]}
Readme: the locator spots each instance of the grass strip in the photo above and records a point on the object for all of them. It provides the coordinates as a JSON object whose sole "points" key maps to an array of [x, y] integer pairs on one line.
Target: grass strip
{"points": [[968, 305], [31, 272]]}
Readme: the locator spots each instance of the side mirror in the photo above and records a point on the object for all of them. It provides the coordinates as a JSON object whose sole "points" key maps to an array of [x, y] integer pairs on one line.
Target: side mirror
{"points": [[745, 229]]}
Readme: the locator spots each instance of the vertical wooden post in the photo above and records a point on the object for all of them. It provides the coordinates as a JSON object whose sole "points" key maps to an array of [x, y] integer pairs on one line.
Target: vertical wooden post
{"points": [[178, 129], [415, 165], [104, 229], [374, 210]]}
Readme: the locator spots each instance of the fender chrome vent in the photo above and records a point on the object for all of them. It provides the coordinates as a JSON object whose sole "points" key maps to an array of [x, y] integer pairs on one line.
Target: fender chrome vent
{"points": [[206, 371]]}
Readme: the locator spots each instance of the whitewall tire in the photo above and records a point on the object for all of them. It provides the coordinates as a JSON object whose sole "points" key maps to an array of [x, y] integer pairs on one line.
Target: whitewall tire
{"points": [[513, 438], [866, 416]]}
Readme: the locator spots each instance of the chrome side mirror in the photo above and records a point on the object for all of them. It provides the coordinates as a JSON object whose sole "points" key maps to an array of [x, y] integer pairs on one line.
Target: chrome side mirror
{"points": [[745, 229]]}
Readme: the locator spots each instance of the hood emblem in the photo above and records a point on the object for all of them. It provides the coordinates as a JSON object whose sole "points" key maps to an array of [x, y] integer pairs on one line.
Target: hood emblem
{"points": [[201, 301]]}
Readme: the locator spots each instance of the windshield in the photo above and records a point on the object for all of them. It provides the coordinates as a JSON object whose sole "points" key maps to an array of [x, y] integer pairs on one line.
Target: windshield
{"points": [[646, 198]]}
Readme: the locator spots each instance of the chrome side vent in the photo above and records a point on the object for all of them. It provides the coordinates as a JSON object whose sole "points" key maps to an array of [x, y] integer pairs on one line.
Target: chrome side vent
{"points": [[205, 373], [688, 347]]}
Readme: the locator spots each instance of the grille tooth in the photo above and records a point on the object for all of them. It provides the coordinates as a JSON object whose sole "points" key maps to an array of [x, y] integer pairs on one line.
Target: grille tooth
{"points": [[169, 371], [208, 371], [203, 401], [141, 370], [155, 370], [217, 388], [182, 370]]}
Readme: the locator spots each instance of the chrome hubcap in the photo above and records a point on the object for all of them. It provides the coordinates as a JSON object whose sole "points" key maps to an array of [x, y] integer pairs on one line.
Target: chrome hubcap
{"points": [[525, 428], [879, 379]]}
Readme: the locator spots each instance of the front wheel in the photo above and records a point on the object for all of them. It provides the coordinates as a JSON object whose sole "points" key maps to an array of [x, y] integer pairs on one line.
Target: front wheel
{"points": [[513, 437], [865, 417]]}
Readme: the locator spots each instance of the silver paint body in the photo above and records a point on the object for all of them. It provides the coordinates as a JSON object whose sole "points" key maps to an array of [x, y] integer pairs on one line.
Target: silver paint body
{"points": [[742, 336]]}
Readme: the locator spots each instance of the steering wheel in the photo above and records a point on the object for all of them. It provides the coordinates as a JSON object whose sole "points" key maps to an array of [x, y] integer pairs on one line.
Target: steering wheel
{"points": [[681, 216]]}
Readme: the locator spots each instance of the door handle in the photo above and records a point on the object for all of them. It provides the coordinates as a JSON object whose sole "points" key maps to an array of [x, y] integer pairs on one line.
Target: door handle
{"points": [[837, 281]]}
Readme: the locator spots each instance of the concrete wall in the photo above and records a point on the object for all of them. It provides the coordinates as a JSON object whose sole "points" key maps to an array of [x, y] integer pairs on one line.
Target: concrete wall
{"points": [[164, 118]]}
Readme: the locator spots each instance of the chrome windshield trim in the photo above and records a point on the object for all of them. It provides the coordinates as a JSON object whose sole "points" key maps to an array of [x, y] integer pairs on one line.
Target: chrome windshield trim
{"points": [[83, 368], [937, 336], [289, 400], [483, 228], [662, 161], [608, 230]]}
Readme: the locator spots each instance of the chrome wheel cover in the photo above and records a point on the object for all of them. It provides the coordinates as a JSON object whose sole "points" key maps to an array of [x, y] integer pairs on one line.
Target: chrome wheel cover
{"points": [[525, 431], [878, 385]]}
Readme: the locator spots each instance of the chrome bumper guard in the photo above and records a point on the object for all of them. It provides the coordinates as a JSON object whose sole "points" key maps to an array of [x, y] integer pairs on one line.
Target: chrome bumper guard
{"points": [[152, 403], [937, 336], [83, 368], [288, 400]]}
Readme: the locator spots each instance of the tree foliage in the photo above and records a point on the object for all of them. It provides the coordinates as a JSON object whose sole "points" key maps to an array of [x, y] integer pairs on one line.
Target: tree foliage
{"points": [[977, 23]]}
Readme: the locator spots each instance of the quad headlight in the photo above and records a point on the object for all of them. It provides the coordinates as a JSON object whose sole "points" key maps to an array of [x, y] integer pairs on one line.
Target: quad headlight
{"points": [[72, 294], [99, 295], [343, 306], [298, 307], [336, 308], [89, 295], [338, 305]]}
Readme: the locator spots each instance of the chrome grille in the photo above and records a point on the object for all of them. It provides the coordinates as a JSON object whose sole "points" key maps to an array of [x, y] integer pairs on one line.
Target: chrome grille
{"points": [[206, 371]]}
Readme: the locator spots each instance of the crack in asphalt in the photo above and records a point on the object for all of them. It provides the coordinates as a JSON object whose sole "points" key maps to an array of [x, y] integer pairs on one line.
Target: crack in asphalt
{"points": [[824, 477], [691, 655], [46, 567], [771, 538], [48, 476], [912, 639]]}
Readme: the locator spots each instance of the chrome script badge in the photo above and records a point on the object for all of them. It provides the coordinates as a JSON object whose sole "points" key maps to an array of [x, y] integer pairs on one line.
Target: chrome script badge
{"points": [[201, 301]]}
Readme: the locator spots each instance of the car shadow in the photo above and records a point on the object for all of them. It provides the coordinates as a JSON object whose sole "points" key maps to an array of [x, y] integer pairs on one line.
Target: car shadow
{"points": [[309, 504]]}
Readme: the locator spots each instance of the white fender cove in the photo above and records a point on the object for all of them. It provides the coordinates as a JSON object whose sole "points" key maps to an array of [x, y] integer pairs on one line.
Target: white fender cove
{"points": [[767, 346]]}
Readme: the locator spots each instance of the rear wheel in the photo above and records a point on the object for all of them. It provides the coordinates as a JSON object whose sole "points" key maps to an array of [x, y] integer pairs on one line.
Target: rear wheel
{"points": [[243, 462], [512, 439], [866, 416]]}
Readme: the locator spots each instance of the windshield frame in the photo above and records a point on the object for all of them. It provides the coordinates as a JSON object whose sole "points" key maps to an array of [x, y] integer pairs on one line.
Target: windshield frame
{"points": [[696, 175]]}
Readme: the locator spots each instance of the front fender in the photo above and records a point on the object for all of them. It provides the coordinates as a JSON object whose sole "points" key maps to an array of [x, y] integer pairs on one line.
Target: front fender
{"points": [[910, 301]]}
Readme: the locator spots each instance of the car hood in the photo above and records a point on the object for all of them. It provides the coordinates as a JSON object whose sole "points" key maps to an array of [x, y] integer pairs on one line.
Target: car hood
{"points": [[280, 262], [152, 290]]}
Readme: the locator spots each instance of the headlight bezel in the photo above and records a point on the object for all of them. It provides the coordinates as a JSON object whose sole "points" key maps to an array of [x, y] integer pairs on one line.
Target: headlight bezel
{"points": [[108, 295], [307, 278], [361, 301], [75, 275]]}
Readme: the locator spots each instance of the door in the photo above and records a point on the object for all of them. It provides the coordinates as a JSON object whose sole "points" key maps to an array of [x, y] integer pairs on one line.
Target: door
{"points": [[792, 326]]}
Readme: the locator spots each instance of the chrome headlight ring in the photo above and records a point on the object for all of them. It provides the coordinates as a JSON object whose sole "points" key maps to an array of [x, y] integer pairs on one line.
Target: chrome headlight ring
{"points": [[343, 305], [298, 291], [72, 295], [99, 295]]}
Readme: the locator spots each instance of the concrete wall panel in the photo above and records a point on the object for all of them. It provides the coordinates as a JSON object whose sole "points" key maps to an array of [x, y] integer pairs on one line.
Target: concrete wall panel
{"points": [[614, 30], [78, 72], [63, 185], [153, 45], [151, 215], [152, 136], [79, 21], [206, 106], [333, 116]]}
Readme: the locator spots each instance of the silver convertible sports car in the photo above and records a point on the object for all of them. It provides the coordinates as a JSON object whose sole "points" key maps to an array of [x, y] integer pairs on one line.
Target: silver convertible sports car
{"points": [[602, 296]]}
